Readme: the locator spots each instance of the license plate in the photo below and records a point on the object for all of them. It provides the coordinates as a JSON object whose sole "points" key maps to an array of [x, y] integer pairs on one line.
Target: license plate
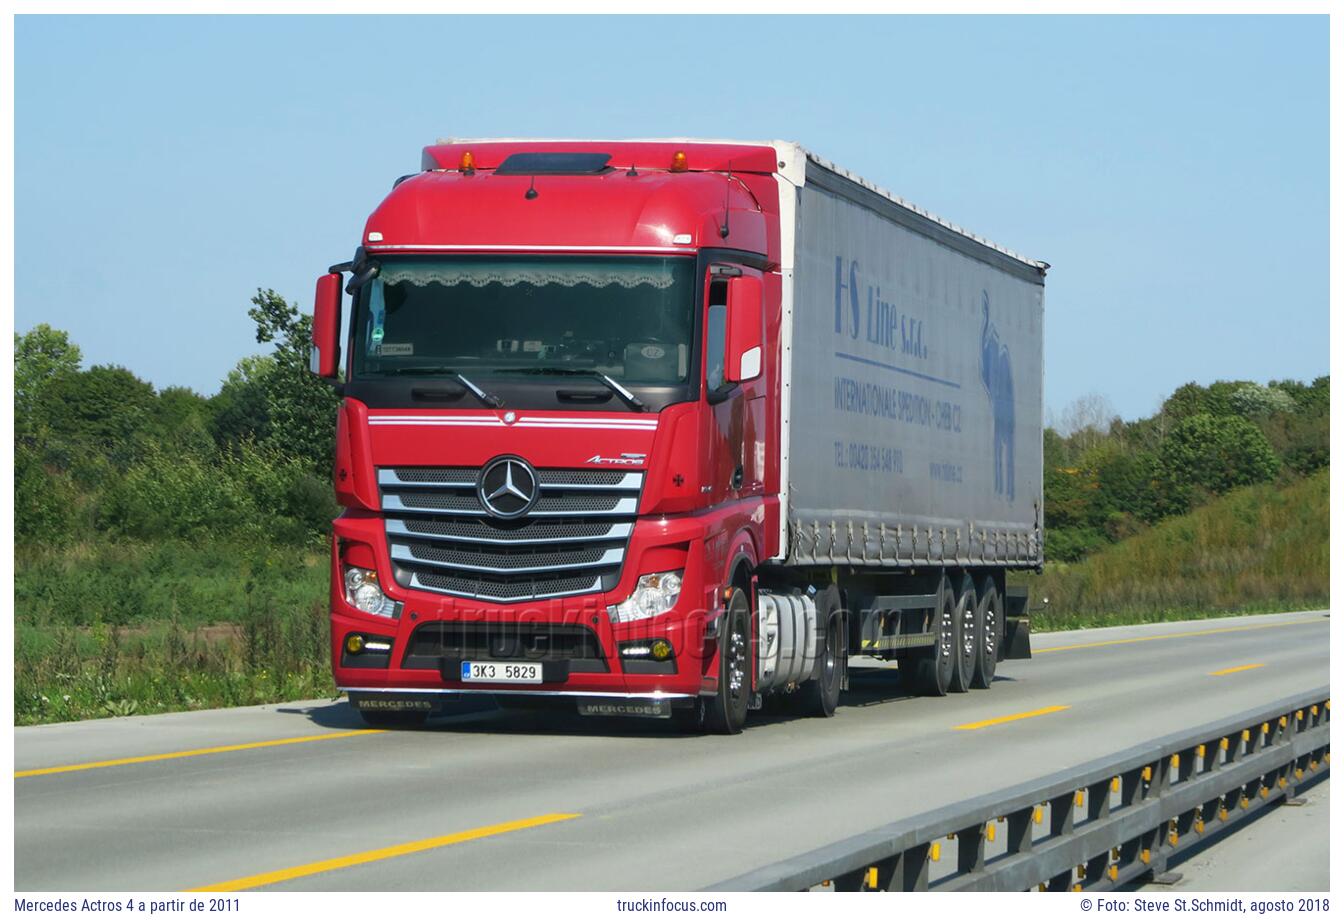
{"points": [[501, 672]]}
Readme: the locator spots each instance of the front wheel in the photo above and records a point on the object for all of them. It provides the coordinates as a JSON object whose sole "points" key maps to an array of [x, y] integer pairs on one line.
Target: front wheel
{"points": [[726, 712]]}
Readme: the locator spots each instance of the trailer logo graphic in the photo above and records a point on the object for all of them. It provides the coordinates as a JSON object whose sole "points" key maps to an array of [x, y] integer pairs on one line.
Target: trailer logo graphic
{"points": [[996, 373], [507, 487]]}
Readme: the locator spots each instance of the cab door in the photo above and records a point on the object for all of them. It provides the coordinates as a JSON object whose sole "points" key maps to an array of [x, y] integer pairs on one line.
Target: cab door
{"points": [[736, 440]]}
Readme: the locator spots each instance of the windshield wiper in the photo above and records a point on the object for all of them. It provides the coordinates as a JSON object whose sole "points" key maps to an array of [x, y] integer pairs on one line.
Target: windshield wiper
{"points": [[430, 369], [612, 385]]}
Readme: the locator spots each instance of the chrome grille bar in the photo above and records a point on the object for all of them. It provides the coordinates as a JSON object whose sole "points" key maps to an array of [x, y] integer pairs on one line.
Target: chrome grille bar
{"points": [[572, 541]]}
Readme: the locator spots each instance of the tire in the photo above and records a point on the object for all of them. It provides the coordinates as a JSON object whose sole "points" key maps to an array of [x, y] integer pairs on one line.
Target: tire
{"points": [[966, 631], [820, 695], [393, 720], [726, 712], [990, 611], [933, 668]]}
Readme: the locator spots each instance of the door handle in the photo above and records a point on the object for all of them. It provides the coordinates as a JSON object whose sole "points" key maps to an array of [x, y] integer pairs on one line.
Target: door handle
{"points": [[737, 477]]}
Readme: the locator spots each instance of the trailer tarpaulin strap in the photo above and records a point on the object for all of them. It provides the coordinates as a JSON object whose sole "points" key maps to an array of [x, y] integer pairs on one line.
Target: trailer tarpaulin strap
{"points": [[480, 274]]}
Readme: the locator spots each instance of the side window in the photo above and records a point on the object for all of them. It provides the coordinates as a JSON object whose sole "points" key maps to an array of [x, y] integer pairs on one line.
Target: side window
{"points": [[716, 334]]}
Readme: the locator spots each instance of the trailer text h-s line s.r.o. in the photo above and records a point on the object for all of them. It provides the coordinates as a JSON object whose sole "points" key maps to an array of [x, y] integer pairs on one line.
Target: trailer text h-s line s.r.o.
{"points": [[664, 428]]}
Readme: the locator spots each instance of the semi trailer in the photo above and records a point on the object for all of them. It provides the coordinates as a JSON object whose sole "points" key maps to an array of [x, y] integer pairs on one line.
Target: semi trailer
{"points": [[671, 428]]}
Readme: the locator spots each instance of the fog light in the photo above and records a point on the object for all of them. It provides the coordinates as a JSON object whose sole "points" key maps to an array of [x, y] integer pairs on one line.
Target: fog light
{"points": [[354, 643], [661, 649]]}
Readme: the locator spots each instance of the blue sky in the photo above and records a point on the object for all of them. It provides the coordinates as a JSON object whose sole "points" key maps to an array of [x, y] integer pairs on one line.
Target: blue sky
{"points": [[1174, 170]]}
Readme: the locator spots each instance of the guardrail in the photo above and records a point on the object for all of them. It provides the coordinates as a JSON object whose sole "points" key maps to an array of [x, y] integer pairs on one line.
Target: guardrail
{"points": [[1089, 828]]}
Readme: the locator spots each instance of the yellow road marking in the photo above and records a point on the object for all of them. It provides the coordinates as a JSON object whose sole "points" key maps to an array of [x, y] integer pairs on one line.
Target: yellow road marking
{"points": [[1240, 667], [969, 726], [368, 856], [198, 752], [1184, 635]]}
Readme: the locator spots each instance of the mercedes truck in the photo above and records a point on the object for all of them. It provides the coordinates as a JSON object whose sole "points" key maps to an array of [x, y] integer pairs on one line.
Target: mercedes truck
{"points": [[673, 428]]}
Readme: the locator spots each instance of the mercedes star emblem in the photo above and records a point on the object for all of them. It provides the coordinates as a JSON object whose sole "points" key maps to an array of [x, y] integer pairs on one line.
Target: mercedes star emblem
{"points": [[507, 487]]}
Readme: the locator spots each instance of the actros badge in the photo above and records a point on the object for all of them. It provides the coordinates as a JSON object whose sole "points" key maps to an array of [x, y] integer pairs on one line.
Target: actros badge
{"points": [[622, 460]]}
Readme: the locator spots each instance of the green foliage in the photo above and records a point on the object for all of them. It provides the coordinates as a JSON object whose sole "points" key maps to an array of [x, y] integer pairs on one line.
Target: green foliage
{"points": [[241, 407], [44, 500], [1254, 401], [107, 628], [40, 355], [1214, 454], [1103, 487], [1259, 548], [300, 407]]}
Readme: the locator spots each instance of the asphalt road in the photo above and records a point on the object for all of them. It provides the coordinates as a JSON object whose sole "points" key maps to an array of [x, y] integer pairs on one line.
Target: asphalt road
{"points": [[488, 800]]}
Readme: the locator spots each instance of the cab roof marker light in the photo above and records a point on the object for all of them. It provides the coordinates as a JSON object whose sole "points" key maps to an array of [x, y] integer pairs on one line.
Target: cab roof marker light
{"points": [[678, 162], [375, 236], [682, 239]]}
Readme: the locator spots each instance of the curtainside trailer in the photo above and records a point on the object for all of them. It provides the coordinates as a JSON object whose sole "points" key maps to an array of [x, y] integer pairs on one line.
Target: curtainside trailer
{"points": [[666, 428]]}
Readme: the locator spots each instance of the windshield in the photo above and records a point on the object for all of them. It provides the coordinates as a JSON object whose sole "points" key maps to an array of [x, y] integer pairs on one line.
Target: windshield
{"points": [[629, 318]]}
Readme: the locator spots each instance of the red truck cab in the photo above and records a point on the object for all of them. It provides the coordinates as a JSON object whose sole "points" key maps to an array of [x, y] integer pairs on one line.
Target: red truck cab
{"points": [[558, 447]]}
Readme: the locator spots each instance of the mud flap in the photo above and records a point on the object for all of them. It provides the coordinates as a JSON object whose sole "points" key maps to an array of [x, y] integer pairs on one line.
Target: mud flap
{"points": [[1016, 625], [1016, 638]]}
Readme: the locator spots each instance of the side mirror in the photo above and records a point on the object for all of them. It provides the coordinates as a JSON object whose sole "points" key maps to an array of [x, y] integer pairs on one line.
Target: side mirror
{"points": [[325, 360], [745, 353]]}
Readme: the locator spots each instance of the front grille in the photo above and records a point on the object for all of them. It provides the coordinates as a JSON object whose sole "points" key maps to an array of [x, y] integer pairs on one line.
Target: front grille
{"points": [[571, 541]]}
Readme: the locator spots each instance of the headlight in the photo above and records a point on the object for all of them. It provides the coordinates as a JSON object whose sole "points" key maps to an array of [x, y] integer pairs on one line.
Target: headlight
{"points": [[654, 594], [363, 593]]}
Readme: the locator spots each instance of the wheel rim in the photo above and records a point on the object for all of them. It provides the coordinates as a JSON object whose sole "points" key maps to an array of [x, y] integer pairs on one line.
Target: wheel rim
{"points": [[945, 644], [737, 659], [968, 632], [991, 633]]}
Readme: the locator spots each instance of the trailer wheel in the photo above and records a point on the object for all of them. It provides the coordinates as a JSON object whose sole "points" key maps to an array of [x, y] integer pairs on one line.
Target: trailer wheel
{"points": [[820, 695], [966, 633], [991, 632], [933, 668], [726, 713]]}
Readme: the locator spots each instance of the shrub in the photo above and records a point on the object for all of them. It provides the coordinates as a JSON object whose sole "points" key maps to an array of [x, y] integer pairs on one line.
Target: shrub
{"points": [[1214, 453]]}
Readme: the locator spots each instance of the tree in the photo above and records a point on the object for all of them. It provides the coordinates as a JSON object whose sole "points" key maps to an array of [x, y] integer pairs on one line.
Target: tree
{"points": [[40, 355], [104, 412], [240, 411], [1086, 420], [1214, 454], [301, 408], [1251, 400]]}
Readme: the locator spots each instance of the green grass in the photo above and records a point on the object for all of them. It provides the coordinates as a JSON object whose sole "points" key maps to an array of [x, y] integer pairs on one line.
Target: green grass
{"points": [[116, 629], [1261, 549]]}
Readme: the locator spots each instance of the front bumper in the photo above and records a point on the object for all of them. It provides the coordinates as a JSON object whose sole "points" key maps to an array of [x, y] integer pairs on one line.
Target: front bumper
{"points": [[573, 637]]}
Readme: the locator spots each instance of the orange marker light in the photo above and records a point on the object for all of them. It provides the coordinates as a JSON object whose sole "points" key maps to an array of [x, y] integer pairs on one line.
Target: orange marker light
{"points": [[468, 163], [679, 161]]}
